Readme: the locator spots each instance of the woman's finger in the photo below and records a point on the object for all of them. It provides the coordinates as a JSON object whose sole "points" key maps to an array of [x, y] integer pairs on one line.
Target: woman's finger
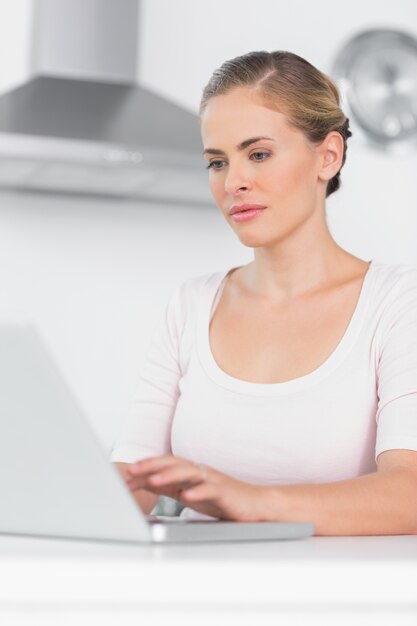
{"points": [[178, 476], [151, 464], [200, 492]]}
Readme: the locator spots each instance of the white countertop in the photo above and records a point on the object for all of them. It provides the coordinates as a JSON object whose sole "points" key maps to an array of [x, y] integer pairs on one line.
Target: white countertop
{"points": [[326, 577]]}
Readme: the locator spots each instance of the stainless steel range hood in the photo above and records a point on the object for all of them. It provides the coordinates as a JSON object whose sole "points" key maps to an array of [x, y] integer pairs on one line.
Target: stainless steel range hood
{"points": [[83, 125]]}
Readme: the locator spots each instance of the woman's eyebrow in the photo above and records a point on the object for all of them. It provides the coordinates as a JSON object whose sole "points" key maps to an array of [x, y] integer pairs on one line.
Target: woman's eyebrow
{"points": [[241, 146]]}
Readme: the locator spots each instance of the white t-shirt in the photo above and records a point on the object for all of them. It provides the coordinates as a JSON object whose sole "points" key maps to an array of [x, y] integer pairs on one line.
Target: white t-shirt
{"points": [[328, 425]]}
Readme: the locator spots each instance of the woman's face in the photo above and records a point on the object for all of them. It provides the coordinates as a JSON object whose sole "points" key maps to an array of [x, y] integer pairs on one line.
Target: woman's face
{"points": [[278, 171]]}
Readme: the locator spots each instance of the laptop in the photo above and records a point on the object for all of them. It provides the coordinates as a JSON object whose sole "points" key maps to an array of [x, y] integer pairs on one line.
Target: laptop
{"points": [[57, 481]]}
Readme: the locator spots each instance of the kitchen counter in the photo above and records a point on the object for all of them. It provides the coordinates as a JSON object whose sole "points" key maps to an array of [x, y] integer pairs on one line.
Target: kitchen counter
{"points": [[349, 578]]}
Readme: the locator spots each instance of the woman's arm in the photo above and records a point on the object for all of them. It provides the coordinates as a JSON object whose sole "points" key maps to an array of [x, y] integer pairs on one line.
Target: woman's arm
{"points": [[147, 427], [382, 503]]}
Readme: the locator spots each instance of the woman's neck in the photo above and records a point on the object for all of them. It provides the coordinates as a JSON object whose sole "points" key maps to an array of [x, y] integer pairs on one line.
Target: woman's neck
{"points": [[280, 277]]}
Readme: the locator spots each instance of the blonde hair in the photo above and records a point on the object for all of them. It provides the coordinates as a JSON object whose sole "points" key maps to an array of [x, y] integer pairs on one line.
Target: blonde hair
{"points": [[290, 84]]}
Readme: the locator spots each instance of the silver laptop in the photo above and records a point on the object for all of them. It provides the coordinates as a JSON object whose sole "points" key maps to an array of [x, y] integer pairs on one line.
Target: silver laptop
{"points": [[57, 481]]}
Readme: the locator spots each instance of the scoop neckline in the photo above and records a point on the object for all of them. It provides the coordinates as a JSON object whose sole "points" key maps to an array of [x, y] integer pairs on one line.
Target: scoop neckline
{"points": [[225, 380]]}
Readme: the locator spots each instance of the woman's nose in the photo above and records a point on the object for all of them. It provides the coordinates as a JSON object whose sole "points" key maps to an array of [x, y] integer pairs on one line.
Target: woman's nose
{"points": [[236, 181]]}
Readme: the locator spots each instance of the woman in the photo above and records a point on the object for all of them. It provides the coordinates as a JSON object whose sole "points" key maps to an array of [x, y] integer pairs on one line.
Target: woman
{"points": [[285, 389]]}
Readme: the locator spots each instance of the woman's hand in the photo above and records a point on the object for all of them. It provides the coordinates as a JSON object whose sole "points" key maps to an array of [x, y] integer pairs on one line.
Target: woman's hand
{"points": [[199, 487]]}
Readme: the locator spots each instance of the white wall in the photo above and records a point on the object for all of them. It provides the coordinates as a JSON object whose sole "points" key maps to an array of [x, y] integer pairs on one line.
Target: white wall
{"points": [[185, 40], [95, 275], [15, 42]]}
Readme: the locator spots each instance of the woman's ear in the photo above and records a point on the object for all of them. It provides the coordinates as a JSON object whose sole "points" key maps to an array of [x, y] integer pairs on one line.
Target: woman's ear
{"points": [[331, 152]]}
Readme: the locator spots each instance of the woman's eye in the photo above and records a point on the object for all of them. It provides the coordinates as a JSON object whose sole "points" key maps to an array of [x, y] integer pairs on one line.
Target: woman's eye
{"points": [[213, 165], [255, 156], [262, 154]]}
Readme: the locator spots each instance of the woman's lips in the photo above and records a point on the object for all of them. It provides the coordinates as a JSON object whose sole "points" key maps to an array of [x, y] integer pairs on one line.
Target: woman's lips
{"points": [[246, 211]]}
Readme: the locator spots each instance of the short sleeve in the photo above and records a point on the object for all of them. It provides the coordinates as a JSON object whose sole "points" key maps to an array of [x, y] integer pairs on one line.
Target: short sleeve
{"points": [[397, 370], [147, 428]]}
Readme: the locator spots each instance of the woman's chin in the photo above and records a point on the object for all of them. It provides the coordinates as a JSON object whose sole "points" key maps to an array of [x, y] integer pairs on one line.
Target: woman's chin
{"points": [[253, 240]]}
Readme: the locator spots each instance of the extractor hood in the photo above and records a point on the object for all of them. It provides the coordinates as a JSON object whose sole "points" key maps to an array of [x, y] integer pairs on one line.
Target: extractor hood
{"points": [[84, 125]]}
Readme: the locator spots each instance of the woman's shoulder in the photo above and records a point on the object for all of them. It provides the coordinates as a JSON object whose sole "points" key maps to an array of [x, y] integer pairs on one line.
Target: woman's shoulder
{"points": [[390, 277], [194, 289], [394, 293], [203, 283]]}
